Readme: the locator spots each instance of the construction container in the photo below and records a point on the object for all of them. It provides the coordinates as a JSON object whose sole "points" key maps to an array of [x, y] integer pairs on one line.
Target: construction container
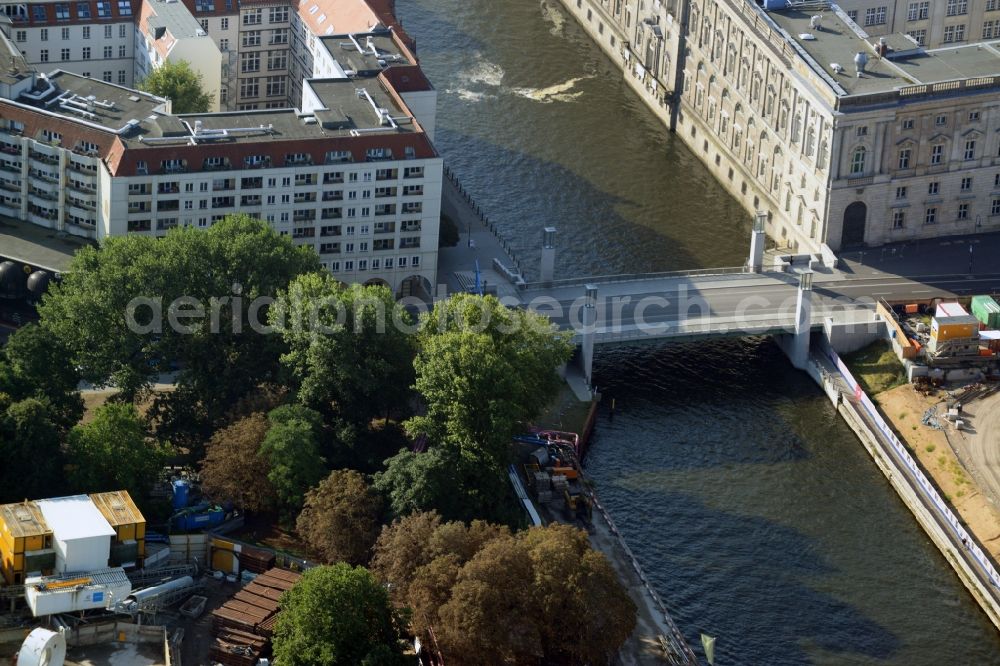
{"points": [[24, 535], [128, 548], [990, 340], [81, 534], [987, 311], [67, 594], [952, 322]]}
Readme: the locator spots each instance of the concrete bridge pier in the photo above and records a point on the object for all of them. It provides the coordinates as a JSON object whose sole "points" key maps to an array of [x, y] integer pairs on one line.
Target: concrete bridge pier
{"points": [[803, 322], [548, 265], [588, 331], [758, 237]]}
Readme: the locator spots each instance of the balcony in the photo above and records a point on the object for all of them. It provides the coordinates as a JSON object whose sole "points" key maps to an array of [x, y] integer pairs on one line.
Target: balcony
{"points": [[303, 216], [413, 191], [223, 202], [83, 187], [305, 179], [413, 172], [10, 166], [251, 200], [381, 193], [10, 186], [336, 195], [223, 185], [43, 195], [252, 183], [143, 207], [387, 209], [83, 204], [333, 178], [10, 149], [386, 174], [44, 175], [216, 164], [167, 206], [305, 197], [168, 188], [88, 170], [47, 160], [332, 214], [385, 228]]}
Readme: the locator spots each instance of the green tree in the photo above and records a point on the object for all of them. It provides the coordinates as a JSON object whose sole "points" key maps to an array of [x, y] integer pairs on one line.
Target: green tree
{"points": [[291, 446], [337, 615], [39, 366], [30, 449], [113, 452], [180, 84], [483, 369], [234, 468], [223, 269], [340, 518], [345, 350]]}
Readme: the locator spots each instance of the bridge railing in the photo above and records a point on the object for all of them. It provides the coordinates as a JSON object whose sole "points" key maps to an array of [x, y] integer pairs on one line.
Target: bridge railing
{"points": [[635, 277]]}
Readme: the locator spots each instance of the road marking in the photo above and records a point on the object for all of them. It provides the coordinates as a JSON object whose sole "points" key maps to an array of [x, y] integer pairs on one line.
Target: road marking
{"points": [[921, 291], [881, 293]]}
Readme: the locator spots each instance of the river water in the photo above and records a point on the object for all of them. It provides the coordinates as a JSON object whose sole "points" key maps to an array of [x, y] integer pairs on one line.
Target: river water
{"points": [[755, 511]]}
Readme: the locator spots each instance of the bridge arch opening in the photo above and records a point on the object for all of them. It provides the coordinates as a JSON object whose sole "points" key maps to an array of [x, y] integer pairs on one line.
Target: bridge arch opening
{"points": [[416, 285], [855, 218]]}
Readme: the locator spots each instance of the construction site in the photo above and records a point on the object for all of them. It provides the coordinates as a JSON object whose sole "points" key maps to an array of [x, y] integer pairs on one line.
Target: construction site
{"points": [[88, 585]]}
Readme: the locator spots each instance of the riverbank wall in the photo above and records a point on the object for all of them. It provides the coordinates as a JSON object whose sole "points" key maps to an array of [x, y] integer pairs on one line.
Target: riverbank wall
{"points": [[946, 530]]}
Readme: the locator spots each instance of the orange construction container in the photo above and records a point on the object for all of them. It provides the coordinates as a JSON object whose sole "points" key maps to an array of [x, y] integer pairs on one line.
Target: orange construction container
{"points": [[568, 472], [911, 308]]}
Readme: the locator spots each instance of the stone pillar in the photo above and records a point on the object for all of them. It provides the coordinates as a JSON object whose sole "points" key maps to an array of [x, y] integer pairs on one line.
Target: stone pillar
{"points": [[757, 239], [548, 254], [803, 322], [588, 332]]}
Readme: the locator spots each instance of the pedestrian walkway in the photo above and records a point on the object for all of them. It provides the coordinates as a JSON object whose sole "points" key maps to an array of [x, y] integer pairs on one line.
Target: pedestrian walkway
{"points": [[478, 240]]}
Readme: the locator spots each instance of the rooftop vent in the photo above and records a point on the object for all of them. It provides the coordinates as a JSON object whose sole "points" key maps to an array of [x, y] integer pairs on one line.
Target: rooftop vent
{"points": [[860, 60], [807, 37]]}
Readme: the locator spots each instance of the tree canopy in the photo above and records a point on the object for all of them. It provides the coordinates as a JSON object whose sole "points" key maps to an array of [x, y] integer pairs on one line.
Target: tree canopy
{"points": [[179, 83], [337, 615], [30, 450], [291, 446], [34, 364], [112, 312], [340, 518], [113, 451], [483, 591], [344, 350], [234, 467]]}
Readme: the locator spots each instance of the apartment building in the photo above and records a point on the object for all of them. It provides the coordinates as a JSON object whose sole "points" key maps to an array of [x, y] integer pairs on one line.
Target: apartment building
{"points": [[94, 38], [771, 101], [168, 33], [932, 23]]}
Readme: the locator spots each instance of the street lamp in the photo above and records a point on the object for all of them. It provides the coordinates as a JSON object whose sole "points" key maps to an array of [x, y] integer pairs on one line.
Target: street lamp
{"points": [[979, 223], [970, 258]]}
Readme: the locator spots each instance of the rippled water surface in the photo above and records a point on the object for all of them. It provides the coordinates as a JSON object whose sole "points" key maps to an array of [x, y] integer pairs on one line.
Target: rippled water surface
{"points": [[755, 511]]}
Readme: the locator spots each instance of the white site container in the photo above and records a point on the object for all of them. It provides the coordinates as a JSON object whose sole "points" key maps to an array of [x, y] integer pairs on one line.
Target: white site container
{"points": [[81, 536], [67, 594]]}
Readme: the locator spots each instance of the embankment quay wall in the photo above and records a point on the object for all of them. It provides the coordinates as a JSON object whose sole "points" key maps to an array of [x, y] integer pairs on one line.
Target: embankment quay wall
{"points": [[959, 546]]}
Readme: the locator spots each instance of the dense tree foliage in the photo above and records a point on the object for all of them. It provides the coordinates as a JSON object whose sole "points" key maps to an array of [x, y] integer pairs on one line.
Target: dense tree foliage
{"points": [[291, 446], [337, 615], [482, 370], [346, 352], [340, 518], [38, 366], [113, 452], [30, 450], [146, 282], [234, 469], [493, 597], [181, 85]]}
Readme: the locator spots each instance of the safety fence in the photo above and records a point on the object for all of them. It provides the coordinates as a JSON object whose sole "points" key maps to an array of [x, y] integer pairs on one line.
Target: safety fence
{"points": [[676, 648], [946, 517], [485, 220]]}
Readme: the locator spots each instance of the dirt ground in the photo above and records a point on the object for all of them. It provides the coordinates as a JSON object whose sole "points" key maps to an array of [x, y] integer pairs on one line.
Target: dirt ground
{"points": [[904, 408]]}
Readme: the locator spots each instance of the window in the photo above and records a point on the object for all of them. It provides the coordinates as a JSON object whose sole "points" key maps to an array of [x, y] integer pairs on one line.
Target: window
{"points": [[991, 5], [853, 15], [107, 52], [224, 24], [991, 29], [967, 184], [937, 152], [223, 46], [124, 8], [277, 60], [970, 149], [250, 62], [958, 7], [933, 188], [973, 116], [83, 11], [107, 32], [963, 211], [278, 15], [858, 161], [43, 34], [64, 54], [21, 36], [930, 216], [121, 77], [251, 38], [941, 121], [917, 11], [65, 34], [898, 219], [86, 32], [249, 88], [204, 5], [43, 55], [862, 131], [121, 51], [954, 33], [276, 86], [995, 210], [900, 192], [919, 36], [904, 158], [39, 12], [104, 9], [204, 25], [62, 12], [875, 16], [252, 17], [106, 76]]}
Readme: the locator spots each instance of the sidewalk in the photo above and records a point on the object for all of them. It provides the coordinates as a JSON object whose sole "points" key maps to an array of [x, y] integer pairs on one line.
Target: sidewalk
{"points": [[457, 265]]}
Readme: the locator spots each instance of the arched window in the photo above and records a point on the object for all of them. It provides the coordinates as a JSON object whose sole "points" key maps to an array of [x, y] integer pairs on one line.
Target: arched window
{"points": [[858, 161]]}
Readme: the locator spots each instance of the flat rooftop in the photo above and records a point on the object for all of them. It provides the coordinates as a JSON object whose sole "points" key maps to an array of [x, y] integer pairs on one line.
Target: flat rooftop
{"points": [[74, 517], [346, 98], [104, 104], [35, 245], [175, 17], [377, 51], [838, 42]]}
